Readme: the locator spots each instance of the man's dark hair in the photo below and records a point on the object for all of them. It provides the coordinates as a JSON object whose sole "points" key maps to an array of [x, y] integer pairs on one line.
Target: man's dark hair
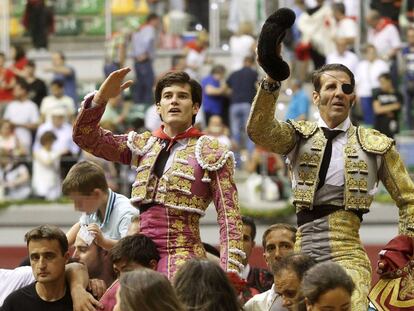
{"points": [[249, 221], [2, 54], [48, 232], [31, 63], [339, 7], [20, 52], [151, 17], [179, 77], [137, 248], [298, 263], [58, 83], [317, 74], [218, 69], [386, 76], [23, 84]]}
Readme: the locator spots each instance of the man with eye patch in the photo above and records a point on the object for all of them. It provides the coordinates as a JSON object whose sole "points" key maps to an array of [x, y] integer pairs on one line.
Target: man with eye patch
{"points": [[336, 168]]}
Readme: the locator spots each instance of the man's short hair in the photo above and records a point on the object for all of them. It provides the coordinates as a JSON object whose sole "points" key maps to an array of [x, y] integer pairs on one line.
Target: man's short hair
{"points": [[220, 69], [385, 75], [297, 262], [249, 221], [279, 226], [58, 82], [84, 177], [31, 63], [48, 232], [339, 7], [317, 74], [137, 248], [23, 84], [151, 17]]}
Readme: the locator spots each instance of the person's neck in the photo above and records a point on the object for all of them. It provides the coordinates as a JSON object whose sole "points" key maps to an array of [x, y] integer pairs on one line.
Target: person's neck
{"points": [[333, 123], [102, 207], [52, 291], [30, 79], [174, 131]]}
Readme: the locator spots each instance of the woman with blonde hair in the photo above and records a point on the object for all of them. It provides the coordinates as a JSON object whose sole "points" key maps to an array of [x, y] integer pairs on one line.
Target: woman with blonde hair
{"points": [[146, 290]]}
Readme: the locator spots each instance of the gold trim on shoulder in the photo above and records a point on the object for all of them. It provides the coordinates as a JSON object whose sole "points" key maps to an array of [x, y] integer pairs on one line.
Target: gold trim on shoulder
{"points": [[374, 141], [211, 154], [305, 128]]}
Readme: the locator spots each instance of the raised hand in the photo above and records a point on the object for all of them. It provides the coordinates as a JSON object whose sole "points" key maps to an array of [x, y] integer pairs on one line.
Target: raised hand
{"points": [[112, 86]]}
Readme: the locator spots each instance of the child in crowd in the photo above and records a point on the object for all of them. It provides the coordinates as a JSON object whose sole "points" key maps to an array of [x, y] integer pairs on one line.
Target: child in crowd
{"points": [[8, 138], [106, 214], [14, 178], [46, 180], [217, 129], [387, 105]]}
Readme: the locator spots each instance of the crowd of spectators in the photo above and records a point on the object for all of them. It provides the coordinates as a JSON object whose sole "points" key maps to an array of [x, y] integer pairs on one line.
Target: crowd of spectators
{"points": [[123, 277]]}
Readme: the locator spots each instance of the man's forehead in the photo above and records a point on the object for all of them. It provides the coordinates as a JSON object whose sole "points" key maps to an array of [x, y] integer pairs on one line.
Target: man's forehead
{"points": [[43, 246], [279, 234], [177, 87], [336, 76]]}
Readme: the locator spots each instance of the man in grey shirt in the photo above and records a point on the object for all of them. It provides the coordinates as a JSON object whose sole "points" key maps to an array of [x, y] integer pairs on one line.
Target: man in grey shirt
{"points": [[143, 52]]}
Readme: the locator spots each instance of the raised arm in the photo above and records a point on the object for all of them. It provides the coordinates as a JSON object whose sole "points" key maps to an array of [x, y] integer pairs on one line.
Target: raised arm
{"points": [[264, 129], [87, 133]]}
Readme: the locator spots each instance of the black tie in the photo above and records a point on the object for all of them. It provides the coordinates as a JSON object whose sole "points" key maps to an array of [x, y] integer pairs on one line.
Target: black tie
{"points": [[330, 135], [162, 160]]}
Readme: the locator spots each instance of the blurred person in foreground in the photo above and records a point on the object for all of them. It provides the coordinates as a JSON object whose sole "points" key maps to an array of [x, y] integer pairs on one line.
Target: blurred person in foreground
{"points": [[179, 171], [201, 285], [148, 289], [336, 168], [327, 286]]}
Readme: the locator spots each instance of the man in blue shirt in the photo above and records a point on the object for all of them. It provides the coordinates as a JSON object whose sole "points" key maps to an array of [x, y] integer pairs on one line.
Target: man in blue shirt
{"points": [[214, 91], [298, 108], [243, 89]]}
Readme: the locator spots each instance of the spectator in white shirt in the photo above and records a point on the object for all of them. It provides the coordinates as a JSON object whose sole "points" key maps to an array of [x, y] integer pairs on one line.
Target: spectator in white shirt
{"points": [[63, 131], [23, 113], [346, 27], [366, 79], [342, 55], [384, 35], [57, 99]]}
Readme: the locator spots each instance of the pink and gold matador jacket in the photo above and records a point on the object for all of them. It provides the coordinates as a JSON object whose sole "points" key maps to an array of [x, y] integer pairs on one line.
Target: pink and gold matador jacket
{"points": [[200, 173]]}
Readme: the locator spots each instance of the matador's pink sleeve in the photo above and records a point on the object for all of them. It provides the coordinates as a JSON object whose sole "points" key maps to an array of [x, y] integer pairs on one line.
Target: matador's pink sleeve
{"points": [[89, 136], [219, 163]]}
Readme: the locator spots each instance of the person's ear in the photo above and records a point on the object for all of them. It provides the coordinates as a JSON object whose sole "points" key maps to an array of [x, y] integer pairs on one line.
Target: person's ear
{"points": [[158, 108], [153, 264], [196, 108], [316, 98], [66, 256]]}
